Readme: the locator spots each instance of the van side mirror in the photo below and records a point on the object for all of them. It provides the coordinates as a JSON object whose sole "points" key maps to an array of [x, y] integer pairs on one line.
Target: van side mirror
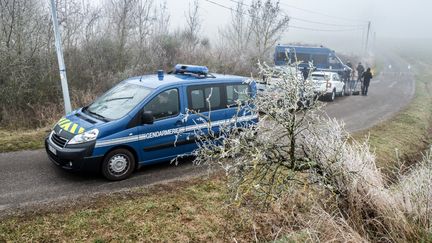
{"points": [[147, 117]]}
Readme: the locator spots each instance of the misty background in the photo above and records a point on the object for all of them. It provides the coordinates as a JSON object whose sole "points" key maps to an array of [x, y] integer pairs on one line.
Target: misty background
{"points": [[393, 21]]}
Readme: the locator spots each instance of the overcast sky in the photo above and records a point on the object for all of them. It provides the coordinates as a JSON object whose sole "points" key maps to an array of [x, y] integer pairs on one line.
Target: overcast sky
{"points": [[389, 18]]}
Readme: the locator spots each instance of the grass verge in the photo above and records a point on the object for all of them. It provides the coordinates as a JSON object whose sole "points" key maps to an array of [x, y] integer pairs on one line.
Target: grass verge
{"points": [[398, 140], [196, 210], [16, 140], [183, 211]]}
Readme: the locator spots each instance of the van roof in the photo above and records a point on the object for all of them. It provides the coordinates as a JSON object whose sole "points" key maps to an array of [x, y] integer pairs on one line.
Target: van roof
{"points": [[305, 49], [152, 81]]}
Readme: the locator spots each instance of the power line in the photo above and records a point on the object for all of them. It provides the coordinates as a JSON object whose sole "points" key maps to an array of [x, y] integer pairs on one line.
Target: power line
{"points": [[323, 14], [315, 22], [305, 20], [290, 26]]}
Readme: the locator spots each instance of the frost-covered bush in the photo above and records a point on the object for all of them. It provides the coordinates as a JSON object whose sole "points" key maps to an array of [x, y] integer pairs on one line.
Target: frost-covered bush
{"points": [[295, 144], [291, 138]]}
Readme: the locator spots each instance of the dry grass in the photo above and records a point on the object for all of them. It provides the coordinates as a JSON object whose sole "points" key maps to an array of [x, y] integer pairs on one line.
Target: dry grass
{"points": [[15, 140], [176, 212]]}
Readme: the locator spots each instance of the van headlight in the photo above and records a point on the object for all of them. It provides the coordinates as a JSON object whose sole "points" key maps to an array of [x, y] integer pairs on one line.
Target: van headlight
{"points": [[85, 137]]}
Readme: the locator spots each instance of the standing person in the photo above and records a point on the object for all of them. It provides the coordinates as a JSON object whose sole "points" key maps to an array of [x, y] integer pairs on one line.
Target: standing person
{"points": [[305, 72], [360, 71], [367, 76], [349, 71], [349, 74]]}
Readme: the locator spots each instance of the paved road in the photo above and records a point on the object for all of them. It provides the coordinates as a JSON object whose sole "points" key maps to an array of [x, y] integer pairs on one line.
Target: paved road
{"points": [[28, 177], [388, 93]]}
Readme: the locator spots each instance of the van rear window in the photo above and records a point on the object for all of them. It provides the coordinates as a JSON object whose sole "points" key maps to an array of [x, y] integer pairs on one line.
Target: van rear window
{"points": [[213, 94], [205, 98], [198, 99], [238, 92]]}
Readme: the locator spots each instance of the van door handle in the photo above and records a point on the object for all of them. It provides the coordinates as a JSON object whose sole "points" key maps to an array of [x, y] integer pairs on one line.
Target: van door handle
{"points": [[179, 122]]}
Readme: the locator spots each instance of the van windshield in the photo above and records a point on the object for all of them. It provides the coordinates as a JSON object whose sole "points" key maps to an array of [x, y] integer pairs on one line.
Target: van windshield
{"points": [[281, 57], [118, 101]]}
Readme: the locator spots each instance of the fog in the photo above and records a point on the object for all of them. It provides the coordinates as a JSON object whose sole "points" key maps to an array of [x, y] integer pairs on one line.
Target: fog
{"points": [[391, 20]]}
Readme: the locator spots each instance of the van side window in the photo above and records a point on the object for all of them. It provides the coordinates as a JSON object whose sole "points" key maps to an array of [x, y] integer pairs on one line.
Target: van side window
{"points": [[198, 95], [198, 100], [319, 59], [303, 57], [214, 96], [237, 92], [165, 104]]}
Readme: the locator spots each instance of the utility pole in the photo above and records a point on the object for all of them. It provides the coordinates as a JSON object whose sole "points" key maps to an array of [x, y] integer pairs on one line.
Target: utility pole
{"points": [[62, 68], [367, 38]]}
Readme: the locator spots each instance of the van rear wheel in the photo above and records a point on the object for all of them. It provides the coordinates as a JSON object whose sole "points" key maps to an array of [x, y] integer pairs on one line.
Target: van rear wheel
{"points": [[118, 165]]}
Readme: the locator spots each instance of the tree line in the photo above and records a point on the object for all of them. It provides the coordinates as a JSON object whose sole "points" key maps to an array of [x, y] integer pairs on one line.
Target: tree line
{"points": [[107, 42]]}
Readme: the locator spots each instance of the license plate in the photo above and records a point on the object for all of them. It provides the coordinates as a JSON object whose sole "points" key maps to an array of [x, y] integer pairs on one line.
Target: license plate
{"points": [[52, 149]]}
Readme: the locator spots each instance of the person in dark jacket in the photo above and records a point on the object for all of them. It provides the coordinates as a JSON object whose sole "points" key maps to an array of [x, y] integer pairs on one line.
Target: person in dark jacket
{"points": [[367, 76], [349, 73], [360, 71]]}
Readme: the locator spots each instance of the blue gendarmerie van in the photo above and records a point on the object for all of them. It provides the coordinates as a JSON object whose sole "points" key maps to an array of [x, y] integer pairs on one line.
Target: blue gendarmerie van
{"points": [[145, 120]]}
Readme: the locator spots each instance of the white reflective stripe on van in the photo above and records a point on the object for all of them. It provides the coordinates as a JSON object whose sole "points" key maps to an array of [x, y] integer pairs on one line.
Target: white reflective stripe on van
{"points": [[115, 141], [173, 131]]}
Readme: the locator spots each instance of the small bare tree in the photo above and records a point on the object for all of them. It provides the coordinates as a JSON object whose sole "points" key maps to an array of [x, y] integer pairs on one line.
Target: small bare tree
{"points": [[266, 158], [267, 24], [237, 32], [122, 18], [252, 33], [191, 33]]}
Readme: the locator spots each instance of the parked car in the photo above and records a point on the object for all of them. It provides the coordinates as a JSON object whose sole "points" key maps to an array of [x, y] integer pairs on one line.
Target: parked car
{"points": [[143, 120], [328, 84]]}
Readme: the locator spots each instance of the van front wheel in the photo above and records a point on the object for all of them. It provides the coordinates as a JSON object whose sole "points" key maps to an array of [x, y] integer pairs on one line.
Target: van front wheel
{"points": [[118, 165], [331, 97]]}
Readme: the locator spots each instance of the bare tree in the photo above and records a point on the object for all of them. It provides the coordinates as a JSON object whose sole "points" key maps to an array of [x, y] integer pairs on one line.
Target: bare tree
{"points": [[191, 33], [92, 25], [71, 18], [162, 19], [144, 21], [267, 24], [238, 32], [267, 157], [164, 45], [122, 19], [252, 33]]}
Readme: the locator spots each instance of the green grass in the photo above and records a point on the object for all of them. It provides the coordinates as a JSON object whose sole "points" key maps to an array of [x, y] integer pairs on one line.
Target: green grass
{"points": [[15, 140]]}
